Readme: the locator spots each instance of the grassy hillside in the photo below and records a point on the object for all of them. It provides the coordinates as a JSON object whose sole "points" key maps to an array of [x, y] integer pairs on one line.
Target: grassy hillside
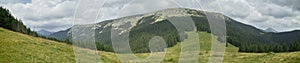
{"points": [[20, 48]]}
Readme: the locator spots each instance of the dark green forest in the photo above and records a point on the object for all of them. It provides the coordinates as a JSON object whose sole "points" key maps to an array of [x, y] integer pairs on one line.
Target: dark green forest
{"points": [[8, 21], [141, 34], [251, 39]]}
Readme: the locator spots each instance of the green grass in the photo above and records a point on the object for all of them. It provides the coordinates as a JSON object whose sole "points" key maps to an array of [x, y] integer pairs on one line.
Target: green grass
{"points": [[20, 48]]}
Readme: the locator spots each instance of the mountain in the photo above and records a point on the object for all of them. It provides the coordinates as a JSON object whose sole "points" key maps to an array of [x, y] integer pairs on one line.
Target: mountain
{"points": [[44, 33], [270, 30], [141, 28], [20, 46], [41, 50], [60, 35]]}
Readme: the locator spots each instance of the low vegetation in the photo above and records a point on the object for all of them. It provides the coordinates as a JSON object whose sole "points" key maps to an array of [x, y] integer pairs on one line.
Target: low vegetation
{"points": [[20, 48]]}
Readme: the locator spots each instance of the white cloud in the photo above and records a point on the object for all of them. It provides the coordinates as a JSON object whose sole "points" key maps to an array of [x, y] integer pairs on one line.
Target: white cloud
{"points": [[260, 13], [145, 6], [52, 24], [298, 17], [14, 1], [57, 14], [274, 10], [39, 13]]}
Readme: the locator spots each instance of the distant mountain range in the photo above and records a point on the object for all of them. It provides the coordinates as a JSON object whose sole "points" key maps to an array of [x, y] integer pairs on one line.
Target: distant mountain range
{"points": [[270, 30], [143, 27], [60, 35], [44, 33]]}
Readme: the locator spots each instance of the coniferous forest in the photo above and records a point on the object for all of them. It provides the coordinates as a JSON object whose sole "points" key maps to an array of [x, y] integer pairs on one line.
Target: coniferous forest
{"points": [[10, 22]]}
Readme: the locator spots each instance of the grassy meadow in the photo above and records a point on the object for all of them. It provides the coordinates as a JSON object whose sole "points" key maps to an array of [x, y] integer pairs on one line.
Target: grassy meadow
{"points": [[20, 48]]}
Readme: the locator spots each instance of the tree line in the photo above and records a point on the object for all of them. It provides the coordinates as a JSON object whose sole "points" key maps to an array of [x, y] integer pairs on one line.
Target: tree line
{"points": [[7, 21], [250, 39], [262, 48]]}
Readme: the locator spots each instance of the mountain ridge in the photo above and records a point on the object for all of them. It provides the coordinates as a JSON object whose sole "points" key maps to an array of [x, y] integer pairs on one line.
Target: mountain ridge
{"points": [[60, 35], [44, 33], [270, 30], [157, 23]]}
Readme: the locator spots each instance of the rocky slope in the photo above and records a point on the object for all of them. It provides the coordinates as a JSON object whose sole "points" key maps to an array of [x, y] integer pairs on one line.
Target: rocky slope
{"points": [[141, 28]]}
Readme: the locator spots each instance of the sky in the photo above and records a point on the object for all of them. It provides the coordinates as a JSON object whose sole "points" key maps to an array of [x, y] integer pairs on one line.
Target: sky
{"points": [[56, 15]]}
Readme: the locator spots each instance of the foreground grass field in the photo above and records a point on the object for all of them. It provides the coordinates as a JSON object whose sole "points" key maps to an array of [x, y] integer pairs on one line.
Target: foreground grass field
{"points": [[20, 48]]}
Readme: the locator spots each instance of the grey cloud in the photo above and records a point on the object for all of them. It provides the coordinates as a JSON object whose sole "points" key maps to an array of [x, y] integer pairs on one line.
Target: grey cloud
{"points": [[116, 3], [290, 3], [54, 26], [39, 11], [14, 1], [236, 9], [275, 10], [44, 14], [144, 6], [61, 10], [53, 14], [278, 14], [296, 5], [51, 25]]}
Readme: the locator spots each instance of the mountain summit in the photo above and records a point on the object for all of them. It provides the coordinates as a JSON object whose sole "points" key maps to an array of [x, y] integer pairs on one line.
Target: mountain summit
{"points": [[141, 28], [44, 33], [270, 30]]}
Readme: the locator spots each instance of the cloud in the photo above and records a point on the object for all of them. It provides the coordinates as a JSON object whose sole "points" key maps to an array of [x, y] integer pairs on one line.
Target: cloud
{"points": [[54, 15], [278, 14], [43, 14], [273, 9], [51, 25], [294, 4], [46, 10], [238, 8], [14, 1]]}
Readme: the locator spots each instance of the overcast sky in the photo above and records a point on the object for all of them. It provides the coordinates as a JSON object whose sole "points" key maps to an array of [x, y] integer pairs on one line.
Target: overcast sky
{"points": [[55, 15]]}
